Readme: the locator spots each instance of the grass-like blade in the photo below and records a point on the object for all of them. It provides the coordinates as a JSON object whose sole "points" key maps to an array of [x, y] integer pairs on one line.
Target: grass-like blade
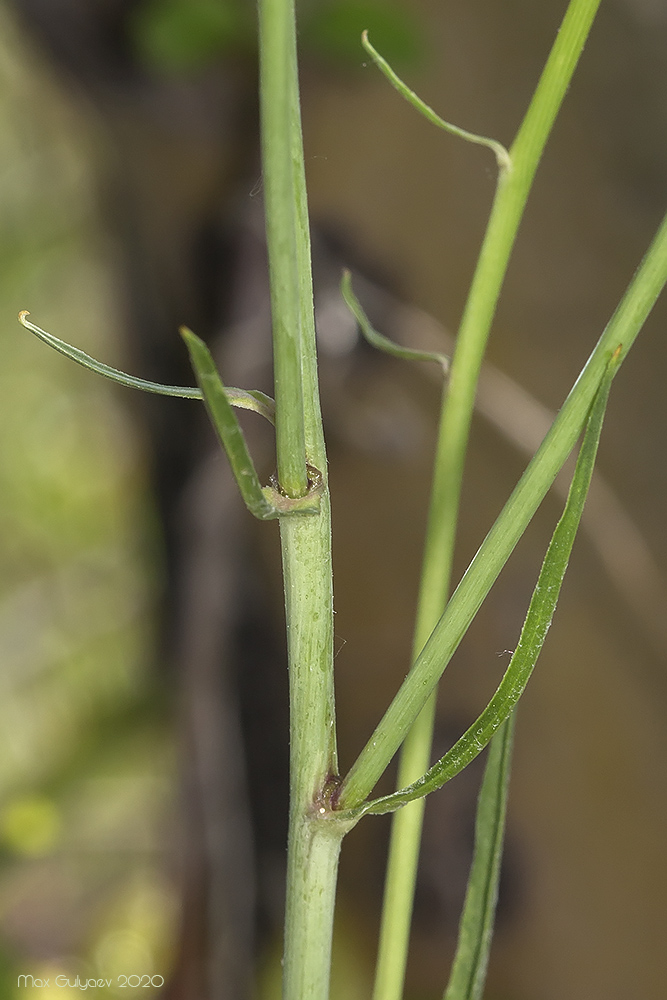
{"points": [[378, 340], [535, 627], [502, 155], [468, 975], [227, 427], [252, 399]]}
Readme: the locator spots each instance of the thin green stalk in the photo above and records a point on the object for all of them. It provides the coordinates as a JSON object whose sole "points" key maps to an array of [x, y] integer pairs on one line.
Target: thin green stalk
{"points": [[314, 840], [468, 974], [314, 836], [498, 545], [515, 177], [314, 433], [277, 90], [406, 829], [508, 206]]}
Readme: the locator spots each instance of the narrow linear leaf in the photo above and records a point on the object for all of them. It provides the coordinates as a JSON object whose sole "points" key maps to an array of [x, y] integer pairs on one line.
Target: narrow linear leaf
{"points": [[227, 427], [502, 155], [535, 628], [251, 399], [468, 975], [378, 340]]}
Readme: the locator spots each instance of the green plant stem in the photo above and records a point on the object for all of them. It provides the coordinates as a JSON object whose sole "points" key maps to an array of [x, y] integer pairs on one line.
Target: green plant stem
{"points": [[313, 430], [498, 545], [314, 835], [514, 182], [508, 206], [313, 843], [277, 90], [312, 873]]}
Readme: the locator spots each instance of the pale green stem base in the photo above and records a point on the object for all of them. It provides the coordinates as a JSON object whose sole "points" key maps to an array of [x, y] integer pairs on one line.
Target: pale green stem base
{"points": [[314, 837], [308, 582], [312, 870]]}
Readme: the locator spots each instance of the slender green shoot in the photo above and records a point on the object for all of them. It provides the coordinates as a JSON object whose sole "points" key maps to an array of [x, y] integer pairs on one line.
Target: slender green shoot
{"points": [[312, 414], [314, 836], [516, 171], [535, 627], [502, 156], [468, 974], [245, 399], [279, 116], [378, 340], [397, 909], [498, 545]]}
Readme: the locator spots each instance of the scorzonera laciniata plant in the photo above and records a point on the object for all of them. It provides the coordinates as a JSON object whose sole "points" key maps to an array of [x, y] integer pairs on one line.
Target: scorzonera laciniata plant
{"points": [[325, 805]]}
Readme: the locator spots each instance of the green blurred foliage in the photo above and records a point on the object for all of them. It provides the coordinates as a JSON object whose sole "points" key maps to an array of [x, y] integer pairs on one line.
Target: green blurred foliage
{"points": [[30, 824], [332, 31], [179, 36], [86, 759], [174, 37]]}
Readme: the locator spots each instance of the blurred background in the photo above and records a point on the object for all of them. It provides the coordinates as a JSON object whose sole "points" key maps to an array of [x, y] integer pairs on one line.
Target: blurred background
{"points": [[143, 710]]}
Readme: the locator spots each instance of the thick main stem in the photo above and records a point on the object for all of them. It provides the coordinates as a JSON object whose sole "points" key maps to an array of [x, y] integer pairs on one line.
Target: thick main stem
{"points": [[314, 836], [314, 840], [312, 872]]}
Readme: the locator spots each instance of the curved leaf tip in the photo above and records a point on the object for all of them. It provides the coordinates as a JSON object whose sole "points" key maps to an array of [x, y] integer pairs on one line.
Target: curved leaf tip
{"points": [[502, 155], [378, 340]]}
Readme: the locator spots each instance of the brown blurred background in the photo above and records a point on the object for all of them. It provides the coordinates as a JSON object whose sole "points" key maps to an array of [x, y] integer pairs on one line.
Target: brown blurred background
{"points": [[143, 718]]}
